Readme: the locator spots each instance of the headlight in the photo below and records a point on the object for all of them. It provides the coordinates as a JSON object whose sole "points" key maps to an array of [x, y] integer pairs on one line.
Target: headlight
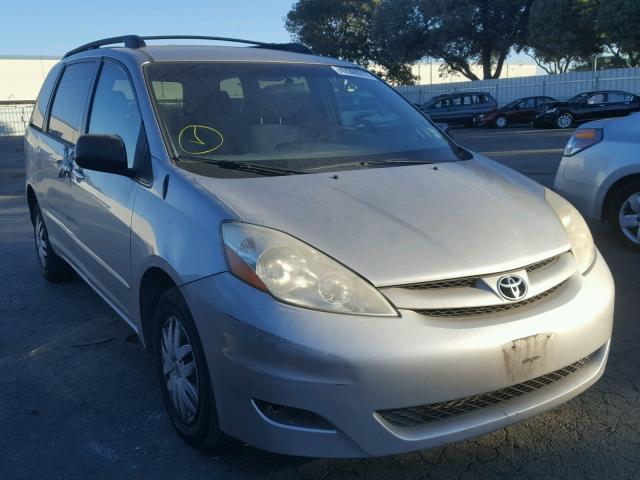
{"points": [[296, 273], [551, 110], [576, 228], [582, 139]]}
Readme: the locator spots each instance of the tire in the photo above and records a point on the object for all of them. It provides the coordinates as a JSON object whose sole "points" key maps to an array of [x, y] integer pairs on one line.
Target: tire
{"points": [[53, 268], [197, 426], [501, 122], [625, 203], [564, 120]]}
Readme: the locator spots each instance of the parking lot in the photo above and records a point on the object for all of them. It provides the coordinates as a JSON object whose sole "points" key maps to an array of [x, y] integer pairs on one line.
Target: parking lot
{"points": [[79, 399]]}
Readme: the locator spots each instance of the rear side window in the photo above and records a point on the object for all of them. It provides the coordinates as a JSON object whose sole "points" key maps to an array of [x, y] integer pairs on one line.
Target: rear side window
{"points": [[69, 101], [40, 110], [115, 109], [616, 97]]}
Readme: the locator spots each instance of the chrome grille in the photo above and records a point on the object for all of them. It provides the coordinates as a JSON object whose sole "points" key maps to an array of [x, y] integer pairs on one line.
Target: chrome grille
{"points": [[471, 281], [488, 309], [541, 264], [453, 283], [414, 416]]}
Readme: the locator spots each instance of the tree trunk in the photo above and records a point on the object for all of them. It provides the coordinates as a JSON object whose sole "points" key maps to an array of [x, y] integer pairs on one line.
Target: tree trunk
{"points": [[500, 64]]}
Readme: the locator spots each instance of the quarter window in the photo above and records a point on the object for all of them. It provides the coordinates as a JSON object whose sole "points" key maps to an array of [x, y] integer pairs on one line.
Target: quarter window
{"points": [[69, 102], [40, 110], [115, 110]]}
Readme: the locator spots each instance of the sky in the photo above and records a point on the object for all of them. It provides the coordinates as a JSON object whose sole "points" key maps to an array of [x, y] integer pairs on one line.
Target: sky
{"points": [[38, 27], [51, 28]]}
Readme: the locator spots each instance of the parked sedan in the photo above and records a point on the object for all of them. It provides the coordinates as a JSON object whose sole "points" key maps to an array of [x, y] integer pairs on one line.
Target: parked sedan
{"points": [[522, 110], [587, 106], [459, 108], [600, 174]]}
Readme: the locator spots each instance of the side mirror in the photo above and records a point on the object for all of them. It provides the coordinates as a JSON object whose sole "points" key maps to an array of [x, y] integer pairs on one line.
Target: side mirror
{"points": [[102, 153]]}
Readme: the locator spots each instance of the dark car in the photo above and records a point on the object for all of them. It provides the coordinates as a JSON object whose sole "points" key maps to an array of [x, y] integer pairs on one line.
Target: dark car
{"points": [[587, 106], [522, 110], [459, 108]]}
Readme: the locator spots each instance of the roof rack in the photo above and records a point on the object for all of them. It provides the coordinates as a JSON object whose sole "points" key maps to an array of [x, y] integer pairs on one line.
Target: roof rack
{"points": [[135, 41], [130, 41]]}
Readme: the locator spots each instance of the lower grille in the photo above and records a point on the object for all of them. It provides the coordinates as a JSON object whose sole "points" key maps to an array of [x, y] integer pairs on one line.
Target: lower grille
{"points": [[486, 310], [414, 416]]}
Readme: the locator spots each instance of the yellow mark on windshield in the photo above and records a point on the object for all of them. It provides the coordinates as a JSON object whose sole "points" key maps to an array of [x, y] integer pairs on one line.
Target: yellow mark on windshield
{"points": [[208, 138]]}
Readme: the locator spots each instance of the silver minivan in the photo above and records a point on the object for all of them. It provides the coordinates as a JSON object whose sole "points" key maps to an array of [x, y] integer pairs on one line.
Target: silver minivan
{"points": [[317, 269]]}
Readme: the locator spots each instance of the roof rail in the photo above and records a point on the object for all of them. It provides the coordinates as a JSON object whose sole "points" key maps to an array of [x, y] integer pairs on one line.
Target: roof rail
{"points": [[130, 41], [290, 47], [135, 41]]}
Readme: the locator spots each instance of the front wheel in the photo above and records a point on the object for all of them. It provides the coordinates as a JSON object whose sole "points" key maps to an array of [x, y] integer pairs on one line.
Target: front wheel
{"points": [[624, 215], [52, 267], [501, 122], [182, 370], [565, 120]]}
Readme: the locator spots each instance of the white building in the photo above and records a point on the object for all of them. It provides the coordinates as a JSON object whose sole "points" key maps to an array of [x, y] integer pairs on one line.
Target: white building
{"points": [[22, 76], [429, 73]]}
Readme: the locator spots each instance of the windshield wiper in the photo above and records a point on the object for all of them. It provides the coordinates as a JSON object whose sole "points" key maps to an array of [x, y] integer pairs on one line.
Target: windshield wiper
{"points": [[244, 166], [366, 163], [394, 162]]}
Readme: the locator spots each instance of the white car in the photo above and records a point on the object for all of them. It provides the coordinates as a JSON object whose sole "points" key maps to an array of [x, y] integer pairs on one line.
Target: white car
{"points": [[600, 174]]}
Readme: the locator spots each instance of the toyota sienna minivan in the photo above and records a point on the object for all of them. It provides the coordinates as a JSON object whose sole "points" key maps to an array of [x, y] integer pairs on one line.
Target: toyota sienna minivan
{"points": [[317, 269]]}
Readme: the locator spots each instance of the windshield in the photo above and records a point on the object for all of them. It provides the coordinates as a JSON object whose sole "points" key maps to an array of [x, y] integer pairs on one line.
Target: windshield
{"points": [[303, 118]]}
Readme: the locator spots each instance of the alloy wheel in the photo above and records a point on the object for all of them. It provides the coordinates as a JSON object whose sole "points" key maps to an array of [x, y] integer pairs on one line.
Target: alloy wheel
{"points": [[41, 241], [179, 370], [564, 120], [501, 122], [629, 218]]}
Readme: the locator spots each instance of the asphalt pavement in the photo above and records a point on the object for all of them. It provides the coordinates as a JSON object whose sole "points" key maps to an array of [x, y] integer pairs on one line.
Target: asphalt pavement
{"points": [[79, 399]]}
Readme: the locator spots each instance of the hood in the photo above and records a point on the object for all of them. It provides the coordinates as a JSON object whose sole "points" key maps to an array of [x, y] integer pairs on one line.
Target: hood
{"points": [[408, 224]]}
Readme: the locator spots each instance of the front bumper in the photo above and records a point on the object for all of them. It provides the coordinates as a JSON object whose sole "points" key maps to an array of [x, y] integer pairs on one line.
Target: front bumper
{"points": [[345, 369], [544, 120]]}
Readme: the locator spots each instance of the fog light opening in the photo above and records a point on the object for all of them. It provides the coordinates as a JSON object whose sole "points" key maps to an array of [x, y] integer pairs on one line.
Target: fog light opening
{"points": [[292, 417]]}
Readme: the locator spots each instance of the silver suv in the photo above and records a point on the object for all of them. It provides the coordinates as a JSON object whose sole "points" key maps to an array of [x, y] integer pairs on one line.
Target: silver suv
{"points": [[317, 269]]}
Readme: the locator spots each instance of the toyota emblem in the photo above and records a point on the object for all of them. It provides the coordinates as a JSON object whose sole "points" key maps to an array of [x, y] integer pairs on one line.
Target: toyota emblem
{"points": [[512, 287]]}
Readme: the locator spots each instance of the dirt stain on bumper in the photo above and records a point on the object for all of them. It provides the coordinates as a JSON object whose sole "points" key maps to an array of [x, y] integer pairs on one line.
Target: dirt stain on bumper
{"points": [[525, 358]]}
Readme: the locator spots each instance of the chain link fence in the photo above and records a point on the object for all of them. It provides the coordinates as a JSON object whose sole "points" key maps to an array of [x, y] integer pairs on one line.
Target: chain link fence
{"points": [[14, 117], [561, 87]]}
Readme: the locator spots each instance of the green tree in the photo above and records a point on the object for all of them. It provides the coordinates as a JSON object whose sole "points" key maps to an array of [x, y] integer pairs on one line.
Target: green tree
{"points": [[341, 28], [618, 22], [460, 32], [563, 33]]}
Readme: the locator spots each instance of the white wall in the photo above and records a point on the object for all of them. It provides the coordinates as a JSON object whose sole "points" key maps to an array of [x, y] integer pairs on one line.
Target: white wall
{"points": [[21, 78], [429, 73]]}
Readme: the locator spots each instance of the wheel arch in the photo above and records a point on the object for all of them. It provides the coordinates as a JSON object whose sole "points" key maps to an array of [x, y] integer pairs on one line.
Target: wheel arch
{"points": [[31, 201], [617, 185], [154, 282]]}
